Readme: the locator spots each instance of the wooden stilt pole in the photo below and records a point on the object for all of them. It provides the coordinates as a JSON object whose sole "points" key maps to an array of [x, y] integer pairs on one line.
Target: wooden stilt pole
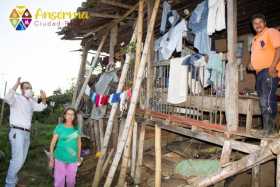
{"points": [[256, 176], [150, 58], [225, 158], [113, 112], [81, 75], [158, 156], [134, 150], [96, 134], [134, 98], [81, 122], [108, 160], [125, 160], [140, 156], [278, 171], [101, 130], [231, 83]]}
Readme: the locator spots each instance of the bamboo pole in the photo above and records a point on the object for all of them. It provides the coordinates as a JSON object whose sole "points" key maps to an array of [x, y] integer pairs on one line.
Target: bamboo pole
{"points": [[231, 84], [256, 176], [125, 160], [96, 134], [134, 98], [134, 150], [113, 42], [158, 156], [278, 171], [80, 78], [127, 148], [112, 114], [150, 58], [136, 67], [225, 158], [108, 160], [140, 156], [81, 123], [263, 155], [93, 62]]}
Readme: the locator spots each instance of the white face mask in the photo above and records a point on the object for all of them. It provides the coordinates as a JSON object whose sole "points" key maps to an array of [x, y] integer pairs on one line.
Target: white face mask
{"points": [[28, 93]]}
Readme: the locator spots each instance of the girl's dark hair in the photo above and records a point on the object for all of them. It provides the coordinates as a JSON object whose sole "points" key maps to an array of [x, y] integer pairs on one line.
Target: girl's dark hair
{"points": [[75, 122]]}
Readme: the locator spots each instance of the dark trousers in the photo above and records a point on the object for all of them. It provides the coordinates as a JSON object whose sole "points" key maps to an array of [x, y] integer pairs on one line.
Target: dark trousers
{"points": [[266, 87]]}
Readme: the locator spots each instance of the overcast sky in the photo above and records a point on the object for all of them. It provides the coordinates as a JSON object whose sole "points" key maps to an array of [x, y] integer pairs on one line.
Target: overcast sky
{"points": [[37, 54]]}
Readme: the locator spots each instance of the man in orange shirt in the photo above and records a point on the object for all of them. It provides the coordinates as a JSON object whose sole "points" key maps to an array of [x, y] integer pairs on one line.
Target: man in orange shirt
{"points": [[265, 57]]}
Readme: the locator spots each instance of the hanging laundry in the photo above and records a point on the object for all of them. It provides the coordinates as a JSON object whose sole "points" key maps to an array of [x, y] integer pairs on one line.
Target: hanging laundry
{"points": [[177, 88], [115, 98], [168, 16], [216, 16], [198, 25], [102, 87], [216, 66], [129, 93], [103, 84], [93, 97], [197, 68], [123, 101], [172, 40], [104, 100], [97, 100], [87, 91]]}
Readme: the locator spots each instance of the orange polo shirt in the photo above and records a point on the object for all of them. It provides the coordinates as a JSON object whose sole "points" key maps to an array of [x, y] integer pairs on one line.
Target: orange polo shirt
{"points": [[263, 49]]}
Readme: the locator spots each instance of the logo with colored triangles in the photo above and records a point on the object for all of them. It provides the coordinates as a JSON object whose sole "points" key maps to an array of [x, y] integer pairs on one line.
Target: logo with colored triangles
{"points": [[20, 18]]}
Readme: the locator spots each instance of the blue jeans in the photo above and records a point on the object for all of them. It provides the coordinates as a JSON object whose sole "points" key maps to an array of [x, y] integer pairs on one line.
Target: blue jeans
{"points": [[20, 141], [266, 87]]}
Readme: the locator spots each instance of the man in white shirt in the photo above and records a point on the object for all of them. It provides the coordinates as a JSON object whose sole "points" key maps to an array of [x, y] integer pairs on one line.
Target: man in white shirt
{"points": [[22, 107]]}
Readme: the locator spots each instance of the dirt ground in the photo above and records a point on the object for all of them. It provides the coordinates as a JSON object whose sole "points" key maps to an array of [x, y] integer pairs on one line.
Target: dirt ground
{"points": [[174, 149]]}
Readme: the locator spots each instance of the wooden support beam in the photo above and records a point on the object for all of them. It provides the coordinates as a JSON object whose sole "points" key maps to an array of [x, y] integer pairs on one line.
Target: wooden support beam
{"points": [[80, 120], [256, 176], [134, 98], [149, 81], [140, 157], [134, 149], [247, 162], [113, 42], [231, 80], [126, 157], [249, 115], [113, 23], [112, 115], [158, 156], [81, 74], [225, 157], [212, 138], [116, 4], [278, 171]]}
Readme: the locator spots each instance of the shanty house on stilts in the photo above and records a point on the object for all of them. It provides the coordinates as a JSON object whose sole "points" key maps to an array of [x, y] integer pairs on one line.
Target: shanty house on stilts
{"points": [[182, 72]]}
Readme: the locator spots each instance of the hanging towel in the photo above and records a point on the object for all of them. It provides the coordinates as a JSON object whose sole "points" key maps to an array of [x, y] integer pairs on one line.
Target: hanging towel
{"points": [[104, 100], [216, 16], [177, 88], [93, 97], [129, 93], [123, 101], [97, 100]]}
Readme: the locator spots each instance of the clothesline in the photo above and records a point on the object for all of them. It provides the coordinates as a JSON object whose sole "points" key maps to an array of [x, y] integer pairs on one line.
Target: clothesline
{"points": [[101, 100]]}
